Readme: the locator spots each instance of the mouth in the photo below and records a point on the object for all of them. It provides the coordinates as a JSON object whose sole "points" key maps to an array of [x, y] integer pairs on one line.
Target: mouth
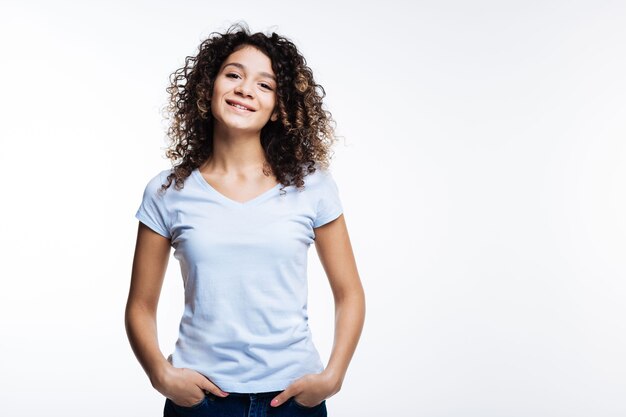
{"points": [[239, 106]]}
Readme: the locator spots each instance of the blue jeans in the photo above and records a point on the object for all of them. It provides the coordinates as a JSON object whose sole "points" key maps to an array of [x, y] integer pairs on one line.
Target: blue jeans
{"points": [[244, 405]]}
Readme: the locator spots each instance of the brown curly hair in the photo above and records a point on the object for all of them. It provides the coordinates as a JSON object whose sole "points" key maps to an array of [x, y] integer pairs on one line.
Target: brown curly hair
{"points": [[301, 138]]}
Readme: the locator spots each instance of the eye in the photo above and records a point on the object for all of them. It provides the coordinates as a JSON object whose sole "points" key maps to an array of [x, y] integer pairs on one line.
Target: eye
{"points": [[232, 75], [267, 86]]}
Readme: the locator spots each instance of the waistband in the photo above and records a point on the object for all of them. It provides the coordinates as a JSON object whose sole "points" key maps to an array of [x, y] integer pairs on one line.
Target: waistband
{"points": [[254, 394]]}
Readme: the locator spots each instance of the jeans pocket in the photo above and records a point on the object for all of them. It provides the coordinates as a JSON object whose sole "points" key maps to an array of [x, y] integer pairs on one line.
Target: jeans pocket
{"points": [[304, 407], [190, 407]]}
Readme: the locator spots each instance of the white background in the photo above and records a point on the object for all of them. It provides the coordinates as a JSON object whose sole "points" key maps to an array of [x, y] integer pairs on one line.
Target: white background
{"points": [[482, 172]]}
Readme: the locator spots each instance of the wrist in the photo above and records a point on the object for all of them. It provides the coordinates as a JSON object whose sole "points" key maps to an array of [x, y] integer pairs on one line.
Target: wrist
{"points": [[159, 375], [334, 378]]}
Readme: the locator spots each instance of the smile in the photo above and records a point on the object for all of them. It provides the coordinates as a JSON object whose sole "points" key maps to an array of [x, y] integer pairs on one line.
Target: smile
{"points": [[239, 106]]}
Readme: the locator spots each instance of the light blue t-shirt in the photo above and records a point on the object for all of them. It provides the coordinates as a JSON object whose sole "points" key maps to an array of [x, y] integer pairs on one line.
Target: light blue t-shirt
{"points": [[244, 271]]}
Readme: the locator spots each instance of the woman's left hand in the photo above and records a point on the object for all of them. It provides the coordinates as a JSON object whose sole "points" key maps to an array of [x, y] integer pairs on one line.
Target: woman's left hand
{"points": [[309, 390]]}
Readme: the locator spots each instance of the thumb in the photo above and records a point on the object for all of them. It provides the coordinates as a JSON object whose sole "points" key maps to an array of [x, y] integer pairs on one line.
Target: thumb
{"points": [[281, 398], [208, 386]]}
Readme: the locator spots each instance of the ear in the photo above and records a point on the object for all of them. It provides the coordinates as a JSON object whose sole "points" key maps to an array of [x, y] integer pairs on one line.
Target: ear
{"points": [[274, 116]]}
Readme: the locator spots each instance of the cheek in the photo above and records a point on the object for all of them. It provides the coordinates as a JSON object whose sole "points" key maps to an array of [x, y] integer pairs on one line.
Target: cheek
{"points": [[215, 96], [218, 89], [271, 103]]}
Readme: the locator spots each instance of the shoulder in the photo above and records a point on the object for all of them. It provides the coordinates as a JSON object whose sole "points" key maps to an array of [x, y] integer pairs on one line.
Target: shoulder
{"points": [[320, 178], [154, 182], [160, 177]]}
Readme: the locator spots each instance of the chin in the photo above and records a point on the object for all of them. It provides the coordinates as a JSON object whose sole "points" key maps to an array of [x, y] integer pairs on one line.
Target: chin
{"points": [[241, 127]]}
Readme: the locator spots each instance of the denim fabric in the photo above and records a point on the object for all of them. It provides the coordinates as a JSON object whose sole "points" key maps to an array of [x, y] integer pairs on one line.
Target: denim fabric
{"points": [[244, 405]]}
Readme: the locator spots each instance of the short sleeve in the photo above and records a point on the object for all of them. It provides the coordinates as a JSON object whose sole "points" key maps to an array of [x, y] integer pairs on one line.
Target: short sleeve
{"points": [[329, 205], [152, 211]]}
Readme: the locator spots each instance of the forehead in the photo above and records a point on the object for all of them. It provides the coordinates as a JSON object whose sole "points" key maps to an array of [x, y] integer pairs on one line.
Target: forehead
{"points": [[251, 59]]}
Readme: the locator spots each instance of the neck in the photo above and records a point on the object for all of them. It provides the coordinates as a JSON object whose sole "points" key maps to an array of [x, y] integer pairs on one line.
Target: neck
{"points": [[235, 152]]}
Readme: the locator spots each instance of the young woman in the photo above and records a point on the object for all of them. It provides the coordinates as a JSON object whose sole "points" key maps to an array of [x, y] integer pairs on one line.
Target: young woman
{"points": [[250, 192]]}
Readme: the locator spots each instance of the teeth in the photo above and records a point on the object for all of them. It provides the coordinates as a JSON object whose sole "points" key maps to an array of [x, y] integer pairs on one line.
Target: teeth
{"points": [[239, 107]]}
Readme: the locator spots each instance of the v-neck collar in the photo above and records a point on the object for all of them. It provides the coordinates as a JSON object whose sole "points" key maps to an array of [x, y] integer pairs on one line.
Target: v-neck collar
{"points": [[205, 184]]}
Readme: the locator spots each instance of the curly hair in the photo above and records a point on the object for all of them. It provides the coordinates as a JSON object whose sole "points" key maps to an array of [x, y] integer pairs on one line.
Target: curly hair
{"points": [[301, 137]]}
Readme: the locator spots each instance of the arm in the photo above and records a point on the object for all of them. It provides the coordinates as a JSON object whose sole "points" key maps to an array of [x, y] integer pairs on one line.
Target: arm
{"points": [[183, 386], [335, 252], [149, 265], [334, 249]]}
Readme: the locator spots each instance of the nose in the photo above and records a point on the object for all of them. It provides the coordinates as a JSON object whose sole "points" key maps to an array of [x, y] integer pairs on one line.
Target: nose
{"points": [[244, 89]]}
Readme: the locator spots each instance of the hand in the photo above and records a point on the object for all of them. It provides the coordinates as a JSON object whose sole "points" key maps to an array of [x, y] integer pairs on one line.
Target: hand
{"points": [[185, 387], [309, 390]]}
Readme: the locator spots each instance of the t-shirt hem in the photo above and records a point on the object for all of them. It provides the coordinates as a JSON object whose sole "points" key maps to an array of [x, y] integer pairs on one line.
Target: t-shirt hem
{"points": [[146, 220], [328, 219], [253, 387]]}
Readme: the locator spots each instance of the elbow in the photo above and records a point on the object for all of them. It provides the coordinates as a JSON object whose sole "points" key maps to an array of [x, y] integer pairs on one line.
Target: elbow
{"points": [[136, 311], [352, 295]]}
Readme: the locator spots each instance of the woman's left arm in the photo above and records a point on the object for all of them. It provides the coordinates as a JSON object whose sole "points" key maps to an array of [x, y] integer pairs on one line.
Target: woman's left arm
{"points": [[332, 243]]}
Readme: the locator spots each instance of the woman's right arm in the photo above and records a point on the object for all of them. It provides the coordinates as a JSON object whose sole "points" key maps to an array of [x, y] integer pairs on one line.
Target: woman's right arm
{"points": [[183, 386]]}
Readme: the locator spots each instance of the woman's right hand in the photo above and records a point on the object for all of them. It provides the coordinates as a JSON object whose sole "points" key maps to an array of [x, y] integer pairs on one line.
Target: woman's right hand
{"points": [[185, 387]]}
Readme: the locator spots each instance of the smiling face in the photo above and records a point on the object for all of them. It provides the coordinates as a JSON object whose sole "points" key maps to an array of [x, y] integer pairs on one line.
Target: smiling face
{"points": [[244, 91]]}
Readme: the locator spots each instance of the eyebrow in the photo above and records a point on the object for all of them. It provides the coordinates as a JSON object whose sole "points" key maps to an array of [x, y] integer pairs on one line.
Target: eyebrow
{"points": [[242, 67]]}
